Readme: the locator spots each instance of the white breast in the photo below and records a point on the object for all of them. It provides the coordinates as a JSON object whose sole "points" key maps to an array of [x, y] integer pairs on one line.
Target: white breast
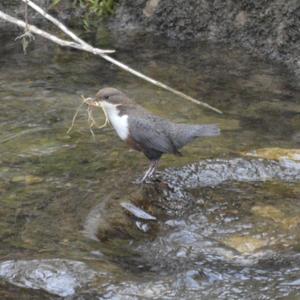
{"points": [[120, 123]]}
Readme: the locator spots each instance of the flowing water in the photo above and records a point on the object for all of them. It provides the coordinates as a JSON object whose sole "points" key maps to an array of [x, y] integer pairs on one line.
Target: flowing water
{"points": [[62, 229]]}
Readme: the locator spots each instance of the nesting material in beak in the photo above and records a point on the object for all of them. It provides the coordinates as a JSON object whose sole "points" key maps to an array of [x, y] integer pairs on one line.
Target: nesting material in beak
{"points": [[91, 102]]}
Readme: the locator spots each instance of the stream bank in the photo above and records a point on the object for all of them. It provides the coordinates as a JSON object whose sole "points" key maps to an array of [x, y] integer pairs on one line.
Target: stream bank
{"points": [[267, 29]]}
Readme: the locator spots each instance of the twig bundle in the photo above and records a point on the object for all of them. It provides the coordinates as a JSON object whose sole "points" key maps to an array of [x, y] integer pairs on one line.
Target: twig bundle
{"points": [[91, 121]]}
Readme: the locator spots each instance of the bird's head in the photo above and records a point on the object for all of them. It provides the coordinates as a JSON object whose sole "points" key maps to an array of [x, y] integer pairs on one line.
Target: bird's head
{"points": [[109, 97]]}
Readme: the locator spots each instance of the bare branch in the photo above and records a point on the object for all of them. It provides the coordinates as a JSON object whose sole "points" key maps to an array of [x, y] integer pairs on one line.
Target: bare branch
{"points": [[82, 45], [49, 36], [56, 22], [116, 62]]}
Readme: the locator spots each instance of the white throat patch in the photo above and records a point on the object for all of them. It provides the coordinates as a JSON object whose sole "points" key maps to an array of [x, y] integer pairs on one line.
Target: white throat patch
{"points": [[119, 123]]}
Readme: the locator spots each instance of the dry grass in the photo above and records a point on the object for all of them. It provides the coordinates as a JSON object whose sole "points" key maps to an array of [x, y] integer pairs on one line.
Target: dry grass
{"points": [[91, 121]]}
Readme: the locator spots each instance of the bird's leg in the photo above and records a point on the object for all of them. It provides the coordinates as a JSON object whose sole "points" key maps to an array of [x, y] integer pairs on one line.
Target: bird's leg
{"points": [[147, 173], [150, 171], [153, 170]]}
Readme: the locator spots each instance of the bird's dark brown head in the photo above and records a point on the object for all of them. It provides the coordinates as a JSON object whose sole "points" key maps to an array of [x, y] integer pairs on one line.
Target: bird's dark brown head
{"points": [[111, 96]]}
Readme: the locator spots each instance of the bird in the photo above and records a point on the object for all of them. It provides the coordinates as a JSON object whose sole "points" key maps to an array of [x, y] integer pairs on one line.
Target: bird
{"points": [[145, 132]]}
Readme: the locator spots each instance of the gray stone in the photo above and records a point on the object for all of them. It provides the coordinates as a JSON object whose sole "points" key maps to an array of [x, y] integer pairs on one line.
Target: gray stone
{"points": [[266, 28], [61, 277]]}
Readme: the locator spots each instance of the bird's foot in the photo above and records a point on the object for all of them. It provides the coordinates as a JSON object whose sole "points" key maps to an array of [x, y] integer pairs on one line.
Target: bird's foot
{"points": [[149, 179], [140, 181], [149, 173]]}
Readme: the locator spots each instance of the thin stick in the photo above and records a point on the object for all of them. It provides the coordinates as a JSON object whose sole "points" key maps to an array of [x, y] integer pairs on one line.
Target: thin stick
{"points": [[27, 36], [26, 14], [116, 62], [158, 83], [49, 36], [60, 25]]}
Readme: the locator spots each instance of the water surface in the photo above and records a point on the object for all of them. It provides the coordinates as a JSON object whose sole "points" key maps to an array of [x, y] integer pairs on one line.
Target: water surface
{"points": [[50, 181]]}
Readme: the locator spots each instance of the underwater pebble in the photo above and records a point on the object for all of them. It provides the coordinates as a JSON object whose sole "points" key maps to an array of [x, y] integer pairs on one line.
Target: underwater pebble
{"points": [[294, 283], [142, 226], [136, 211], [28, 179]]}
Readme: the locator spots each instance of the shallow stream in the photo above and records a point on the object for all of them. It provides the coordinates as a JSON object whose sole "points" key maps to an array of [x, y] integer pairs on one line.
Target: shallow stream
{"points": [[227, 227]]}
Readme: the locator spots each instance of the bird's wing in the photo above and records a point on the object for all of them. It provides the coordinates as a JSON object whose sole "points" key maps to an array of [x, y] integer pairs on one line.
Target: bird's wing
{"points": [[149, 133]]}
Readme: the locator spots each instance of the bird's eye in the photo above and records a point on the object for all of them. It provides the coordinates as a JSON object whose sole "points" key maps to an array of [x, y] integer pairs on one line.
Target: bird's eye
{"points": [[106, 97]]}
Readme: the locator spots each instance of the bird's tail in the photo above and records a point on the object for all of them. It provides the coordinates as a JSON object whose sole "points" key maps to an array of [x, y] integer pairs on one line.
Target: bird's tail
{"points": [[184, 133], [206, 130]]}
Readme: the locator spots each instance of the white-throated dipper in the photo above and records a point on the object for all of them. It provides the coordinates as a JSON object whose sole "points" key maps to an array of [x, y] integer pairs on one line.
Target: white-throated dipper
{"points": [[145, 132]]}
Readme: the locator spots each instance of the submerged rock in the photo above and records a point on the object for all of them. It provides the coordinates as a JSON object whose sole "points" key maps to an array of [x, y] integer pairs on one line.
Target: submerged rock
{"points": [[276, 154], [217, 222], [57, 276], [245, 244], [268, 211], [28, 179], [137, 212], [170, 195]]}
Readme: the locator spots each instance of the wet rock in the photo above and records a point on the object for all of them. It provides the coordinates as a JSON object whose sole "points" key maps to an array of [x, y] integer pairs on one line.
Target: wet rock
{"points": [[215, 172], [289, 223], [268, 211], [241, 19], [97, 254], [191, 237], [264, 28], [271, 212], [142, 226], [169, 195], [245, 244], [295, 282], [191, 279], [137, 212], [57, 276], [276, 154], [109, 219], [150, 7]]}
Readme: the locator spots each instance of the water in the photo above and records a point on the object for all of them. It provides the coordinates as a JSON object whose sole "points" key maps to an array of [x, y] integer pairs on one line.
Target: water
{"points": [[60, 193]]}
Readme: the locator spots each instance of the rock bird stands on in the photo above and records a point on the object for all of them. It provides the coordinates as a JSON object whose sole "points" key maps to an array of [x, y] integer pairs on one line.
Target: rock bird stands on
{"points": [[145, 132]]}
